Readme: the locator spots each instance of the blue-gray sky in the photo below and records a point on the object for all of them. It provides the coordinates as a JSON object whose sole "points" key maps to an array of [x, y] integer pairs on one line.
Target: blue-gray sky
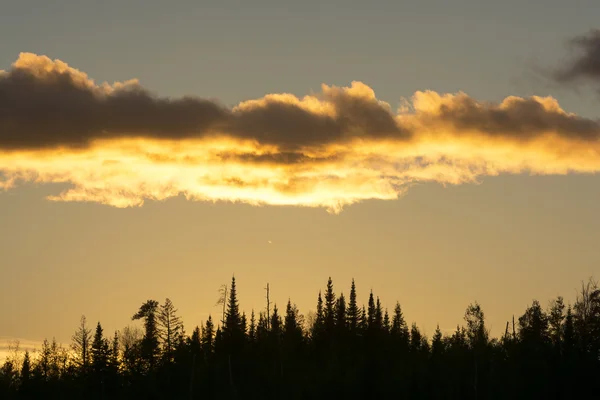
{"points": [[503, 243]]}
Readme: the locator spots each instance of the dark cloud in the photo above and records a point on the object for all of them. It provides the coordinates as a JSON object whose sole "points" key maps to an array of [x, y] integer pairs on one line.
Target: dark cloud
{"points": [[56, 110], [584, 63], [45, 103], [61, 107]]}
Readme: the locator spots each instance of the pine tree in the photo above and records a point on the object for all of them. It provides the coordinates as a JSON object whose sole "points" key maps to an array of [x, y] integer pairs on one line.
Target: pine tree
{"points": [[208, 333], [150, 342], [437, 345], [399, 325], [353, 310], [100, 351], [340, 314], [416, 338], [378, 316], [371, 312], [81, 344], [318, 327], [232, 328], [170, 328], [291, 328], [252, 328], [114, 353], [386, 322], [329, 312], [275, 322]]}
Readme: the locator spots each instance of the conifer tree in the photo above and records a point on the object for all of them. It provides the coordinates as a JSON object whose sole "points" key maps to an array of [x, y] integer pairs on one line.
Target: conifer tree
{"points": [[150, 342], [170, 328], [371, 312], [386, 322], [291, 328], [252, 328], [378, 316], [81, 344], [353, 310], [329, 312], [114, 353], [399, 325], [100, 351], [208, 333], [232, 328], [319, 322], [340, 314]]}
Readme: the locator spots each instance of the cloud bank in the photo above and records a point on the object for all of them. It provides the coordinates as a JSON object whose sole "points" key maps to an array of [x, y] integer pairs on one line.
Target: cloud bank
{"points": [[118, 144]]}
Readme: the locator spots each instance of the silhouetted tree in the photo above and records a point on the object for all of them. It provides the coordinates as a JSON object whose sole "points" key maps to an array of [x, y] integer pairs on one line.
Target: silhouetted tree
{"points": [[81, 344], [149, 346], [170, 327]]}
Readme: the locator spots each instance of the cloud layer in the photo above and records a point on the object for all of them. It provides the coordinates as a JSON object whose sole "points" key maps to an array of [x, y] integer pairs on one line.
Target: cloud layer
{"points": [[120, 145]]}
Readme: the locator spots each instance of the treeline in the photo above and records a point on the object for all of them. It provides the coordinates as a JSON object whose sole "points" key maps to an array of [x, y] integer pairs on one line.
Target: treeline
{"points": [[342, 351]]}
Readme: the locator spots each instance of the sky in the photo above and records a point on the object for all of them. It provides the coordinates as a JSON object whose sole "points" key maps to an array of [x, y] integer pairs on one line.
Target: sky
{"points": [[423, 168]]}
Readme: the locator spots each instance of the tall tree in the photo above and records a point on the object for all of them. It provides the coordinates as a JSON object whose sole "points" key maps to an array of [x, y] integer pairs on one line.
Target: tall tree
{"points": [[100, 351], [371, 312], [399, 327], [353, 310], [208, 335], [233, 329], [170, 328], [319, 322], [150, 342], [329, 312], [81, 344]]}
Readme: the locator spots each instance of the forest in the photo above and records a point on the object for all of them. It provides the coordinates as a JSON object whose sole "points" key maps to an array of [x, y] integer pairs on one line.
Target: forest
{"points": [[343, 350]]}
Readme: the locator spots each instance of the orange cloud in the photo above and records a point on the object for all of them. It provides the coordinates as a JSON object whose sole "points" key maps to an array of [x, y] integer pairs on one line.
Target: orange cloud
{"points": [[119, 145]]}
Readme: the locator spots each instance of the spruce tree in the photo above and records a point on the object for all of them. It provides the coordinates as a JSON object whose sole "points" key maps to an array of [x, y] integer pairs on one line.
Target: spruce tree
{"points": [[353, 310], [208, 335], [329, 312], [252, 328], [232, 328], [100, 351]]}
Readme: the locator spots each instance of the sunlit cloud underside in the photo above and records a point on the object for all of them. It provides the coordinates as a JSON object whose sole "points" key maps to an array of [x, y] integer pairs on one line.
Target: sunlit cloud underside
{"points": [[119, 145]]}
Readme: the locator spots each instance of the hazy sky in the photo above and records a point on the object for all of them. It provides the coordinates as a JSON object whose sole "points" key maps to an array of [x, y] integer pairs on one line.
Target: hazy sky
{"points": [[502, 242]]}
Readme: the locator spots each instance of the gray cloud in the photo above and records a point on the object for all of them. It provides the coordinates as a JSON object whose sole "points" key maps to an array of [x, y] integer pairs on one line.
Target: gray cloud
{"points": [[584, 63], [60, 107], [45, 103]]}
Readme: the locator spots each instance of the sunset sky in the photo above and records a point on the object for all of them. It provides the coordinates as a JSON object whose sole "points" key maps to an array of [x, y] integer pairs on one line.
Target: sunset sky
{"points": [[438, 152]]}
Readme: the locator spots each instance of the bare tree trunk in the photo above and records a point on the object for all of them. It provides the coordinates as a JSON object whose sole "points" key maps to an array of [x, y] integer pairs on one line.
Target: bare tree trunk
{"points": [[268, 308]]}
